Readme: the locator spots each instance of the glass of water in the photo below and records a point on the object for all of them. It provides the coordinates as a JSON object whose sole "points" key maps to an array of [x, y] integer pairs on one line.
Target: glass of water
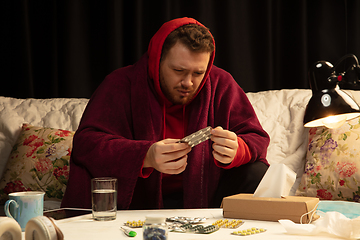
{"points": [[104, 196]]}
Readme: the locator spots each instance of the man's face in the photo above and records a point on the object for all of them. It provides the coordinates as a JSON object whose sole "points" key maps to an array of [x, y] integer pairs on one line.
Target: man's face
{"points": [[181, 73]]}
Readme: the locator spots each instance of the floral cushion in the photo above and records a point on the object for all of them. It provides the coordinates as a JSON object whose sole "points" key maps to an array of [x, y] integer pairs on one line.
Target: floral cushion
{"points": [[332, 169], [39, 161]]}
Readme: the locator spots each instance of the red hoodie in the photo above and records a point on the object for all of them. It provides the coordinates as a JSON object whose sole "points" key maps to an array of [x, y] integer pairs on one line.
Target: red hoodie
{"points": [[128, 113], [176, 117]]}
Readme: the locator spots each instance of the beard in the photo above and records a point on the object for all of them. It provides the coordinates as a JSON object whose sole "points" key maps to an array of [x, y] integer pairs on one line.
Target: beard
{"points": [[177, 98], [176, 94]]}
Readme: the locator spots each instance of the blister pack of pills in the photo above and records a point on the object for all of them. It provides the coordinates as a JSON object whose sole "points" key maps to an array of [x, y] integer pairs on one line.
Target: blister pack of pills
{"points": [[249, 231], [134, 223], [183, 220], [190, 228], [228, 223], [197, 137]]}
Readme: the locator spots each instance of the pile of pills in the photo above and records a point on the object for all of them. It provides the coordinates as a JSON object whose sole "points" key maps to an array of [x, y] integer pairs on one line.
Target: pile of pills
{"points": [[134, 224], [155, 227], [154, 233], [228, 223], [250, 231]]}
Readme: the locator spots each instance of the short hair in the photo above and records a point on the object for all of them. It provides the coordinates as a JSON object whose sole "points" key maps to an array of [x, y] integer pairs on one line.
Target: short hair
{"points": [[197, 38]]}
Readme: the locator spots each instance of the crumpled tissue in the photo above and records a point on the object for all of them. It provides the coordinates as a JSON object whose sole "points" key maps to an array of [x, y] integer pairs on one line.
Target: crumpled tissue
{"points": [[334, 223], [277, 182], [339, 218]]}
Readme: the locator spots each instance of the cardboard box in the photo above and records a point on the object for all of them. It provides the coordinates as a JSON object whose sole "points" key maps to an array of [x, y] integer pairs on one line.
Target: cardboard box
{"points": [[245, 206]]}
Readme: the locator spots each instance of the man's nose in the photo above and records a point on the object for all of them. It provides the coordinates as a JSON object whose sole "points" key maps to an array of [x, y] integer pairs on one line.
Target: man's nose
{"points": [[187, 81]]}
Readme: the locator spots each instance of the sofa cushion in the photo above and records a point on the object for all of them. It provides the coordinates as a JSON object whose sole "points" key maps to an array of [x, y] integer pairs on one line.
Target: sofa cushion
{"points": [[38, 161], [332, 169], [61, 113]]}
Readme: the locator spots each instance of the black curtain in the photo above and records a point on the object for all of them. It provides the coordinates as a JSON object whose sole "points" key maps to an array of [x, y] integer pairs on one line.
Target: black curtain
{"points": [[58, 48]]}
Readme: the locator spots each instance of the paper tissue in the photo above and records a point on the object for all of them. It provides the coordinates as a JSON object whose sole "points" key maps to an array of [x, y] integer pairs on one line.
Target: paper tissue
{"points": [[339, 218], [271, 202], [277, 182], [333, 223]]}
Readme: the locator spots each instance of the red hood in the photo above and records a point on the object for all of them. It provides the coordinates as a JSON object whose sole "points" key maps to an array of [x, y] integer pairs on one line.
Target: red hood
{"points": [[154, 52]]}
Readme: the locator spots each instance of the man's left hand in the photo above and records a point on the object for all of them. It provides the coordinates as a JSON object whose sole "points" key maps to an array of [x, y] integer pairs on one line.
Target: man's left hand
{"points": [[225, 145]]}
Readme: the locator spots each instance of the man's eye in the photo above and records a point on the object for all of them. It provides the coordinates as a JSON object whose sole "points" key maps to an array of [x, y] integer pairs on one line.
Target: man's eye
{"points": [[178, 70]]}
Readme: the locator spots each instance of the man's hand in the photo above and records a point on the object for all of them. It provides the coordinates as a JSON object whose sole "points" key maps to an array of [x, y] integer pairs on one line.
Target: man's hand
{"points": [[225, 145], [167, 156]]}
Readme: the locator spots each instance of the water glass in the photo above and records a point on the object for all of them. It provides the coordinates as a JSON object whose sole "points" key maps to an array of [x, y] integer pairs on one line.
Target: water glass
{"points": [[104, 196]]}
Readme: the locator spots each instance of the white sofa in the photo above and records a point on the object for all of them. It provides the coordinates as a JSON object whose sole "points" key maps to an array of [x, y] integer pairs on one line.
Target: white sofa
{"points": [[279, 111]]}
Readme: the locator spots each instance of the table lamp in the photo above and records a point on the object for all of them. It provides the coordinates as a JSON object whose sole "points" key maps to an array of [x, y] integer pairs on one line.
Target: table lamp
{"points": [[330, 106]]}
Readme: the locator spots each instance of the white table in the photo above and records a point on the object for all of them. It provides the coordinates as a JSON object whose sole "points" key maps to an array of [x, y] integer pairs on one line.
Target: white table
{"points": [[84, 227]]}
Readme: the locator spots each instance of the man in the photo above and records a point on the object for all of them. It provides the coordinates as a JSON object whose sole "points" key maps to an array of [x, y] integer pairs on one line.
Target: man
{"points": [[133, 122]]}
